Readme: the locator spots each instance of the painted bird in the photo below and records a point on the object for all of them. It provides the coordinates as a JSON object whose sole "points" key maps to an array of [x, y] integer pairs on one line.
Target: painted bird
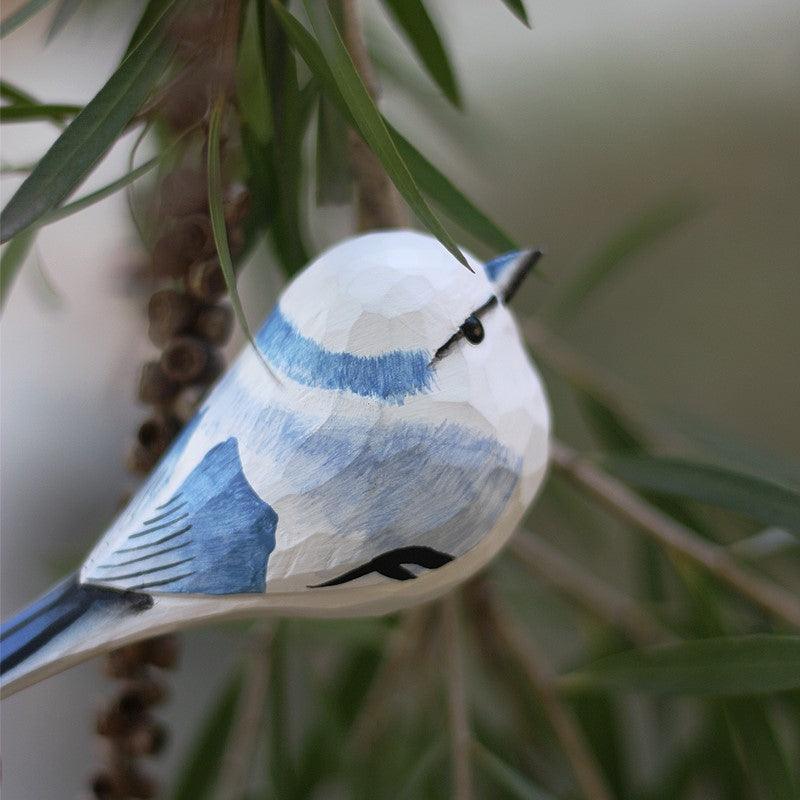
{"points": [[379, 449]]}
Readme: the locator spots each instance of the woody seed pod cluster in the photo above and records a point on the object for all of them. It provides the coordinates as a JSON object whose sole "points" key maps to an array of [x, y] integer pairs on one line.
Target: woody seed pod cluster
{"points": [[188, 320]]}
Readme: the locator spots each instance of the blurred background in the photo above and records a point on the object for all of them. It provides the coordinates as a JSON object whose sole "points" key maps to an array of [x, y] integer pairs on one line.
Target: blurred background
{"points": [[572, 130]]}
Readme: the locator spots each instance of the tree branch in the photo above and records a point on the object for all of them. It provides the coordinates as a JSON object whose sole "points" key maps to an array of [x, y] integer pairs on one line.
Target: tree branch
{"points": [[402, 655], [379, 203], [593, 595], [501, 634], [247, 725], [460, 737], [671, 534]]}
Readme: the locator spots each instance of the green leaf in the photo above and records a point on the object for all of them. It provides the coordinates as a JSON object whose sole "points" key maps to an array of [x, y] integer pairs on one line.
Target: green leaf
{"points": [[759, 750], [765, 544], [450, 199], [99, 194], [16, 95], [13, 257], [90, 134], [64, 13], [199, 771], [252, 91], [360, 105], [334, 178], [28, 112], [413, 18], [153, 12], [291, 112], [518, 10], [21, 16], [455, 204], [618, 253], [510, 779], [430, 760], [217, 214], [735, 665], [754, 497], [260, 186], [281, 766]]}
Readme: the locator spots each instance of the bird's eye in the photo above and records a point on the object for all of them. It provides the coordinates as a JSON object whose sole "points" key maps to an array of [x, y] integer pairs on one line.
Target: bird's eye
{"points": [[473, 329]]}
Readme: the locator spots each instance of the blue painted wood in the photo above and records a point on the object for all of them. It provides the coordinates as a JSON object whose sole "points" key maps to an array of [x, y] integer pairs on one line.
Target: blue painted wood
{"points": [[390, 376], [215, 536]]}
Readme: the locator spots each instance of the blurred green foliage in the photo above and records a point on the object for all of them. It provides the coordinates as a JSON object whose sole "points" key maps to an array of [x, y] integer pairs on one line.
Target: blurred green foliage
{"points": [[358, 708]]}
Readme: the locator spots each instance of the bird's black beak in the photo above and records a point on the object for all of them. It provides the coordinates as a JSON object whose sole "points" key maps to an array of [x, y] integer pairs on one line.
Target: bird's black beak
{"points": [[508, 271]]}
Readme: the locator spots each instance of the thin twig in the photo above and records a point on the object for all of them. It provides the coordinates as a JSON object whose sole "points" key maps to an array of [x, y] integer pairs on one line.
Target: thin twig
{"points": [[460, 738], [595, 381], [500, 633], [674, 536], [248, 722], [379, 204], [594, 595], [401, 654]]}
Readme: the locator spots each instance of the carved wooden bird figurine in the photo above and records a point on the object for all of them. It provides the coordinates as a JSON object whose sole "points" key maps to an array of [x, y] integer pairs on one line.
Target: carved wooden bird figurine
{"points": [[379, 449]]}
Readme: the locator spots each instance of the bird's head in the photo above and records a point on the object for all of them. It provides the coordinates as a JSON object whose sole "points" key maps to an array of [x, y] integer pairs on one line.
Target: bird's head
{"points": [[392, 320]]}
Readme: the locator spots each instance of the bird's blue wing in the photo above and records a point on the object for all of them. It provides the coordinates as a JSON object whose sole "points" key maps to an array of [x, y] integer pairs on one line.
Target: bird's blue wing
{"points": [[212, 534]]}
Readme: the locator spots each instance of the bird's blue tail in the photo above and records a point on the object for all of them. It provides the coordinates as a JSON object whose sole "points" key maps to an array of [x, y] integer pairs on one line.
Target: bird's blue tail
{"points": [[46, 631]]}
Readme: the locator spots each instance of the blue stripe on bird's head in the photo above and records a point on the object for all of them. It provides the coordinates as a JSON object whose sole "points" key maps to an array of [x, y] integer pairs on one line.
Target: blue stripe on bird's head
{"points": [[374, 315]]}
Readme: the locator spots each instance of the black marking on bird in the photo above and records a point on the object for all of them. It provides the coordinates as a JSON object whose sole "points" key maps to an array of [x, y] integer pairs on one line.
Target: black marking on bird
{"points": [[390, 565], [62, 607]]}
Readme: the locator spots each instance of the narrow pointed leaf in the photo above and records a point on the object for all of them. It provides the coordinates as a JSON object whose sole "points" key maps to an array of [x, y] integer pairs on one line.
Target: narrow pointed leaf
{"points": [[505, 776], [153, 12], [197, 777], [364, 112], [16, 95], [766, 543], [334, 178], [252, 91], [26, 112], [102, 193], [291, 113], [413, 18], [436, 185], [64, 13], [759, 750], [217, 214], [21, 16], [90, 134], [13, 257], [735, 665], [517, 8], [760, 499], [450, 199], [618, 253], [430, 760]]}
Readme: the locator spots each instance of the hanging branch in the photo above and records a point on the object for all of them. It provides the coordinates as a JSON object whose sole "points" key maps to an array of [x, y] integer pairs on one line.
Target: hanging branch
{"points": [[378, 202], [403, 651], [596, 597], [249, 718], [671, 534], [188, 323], [458, 716], [500, 633]]}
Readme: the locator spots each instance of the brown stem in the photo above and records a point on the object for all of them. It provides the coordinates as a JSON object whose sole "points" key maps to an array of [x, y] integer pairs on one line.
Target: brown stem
{"points": [[378, 203], [188, 325], [460, 737], [500, 633], [596, 597], [248, 722], [671, 534], [402, 655]]}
